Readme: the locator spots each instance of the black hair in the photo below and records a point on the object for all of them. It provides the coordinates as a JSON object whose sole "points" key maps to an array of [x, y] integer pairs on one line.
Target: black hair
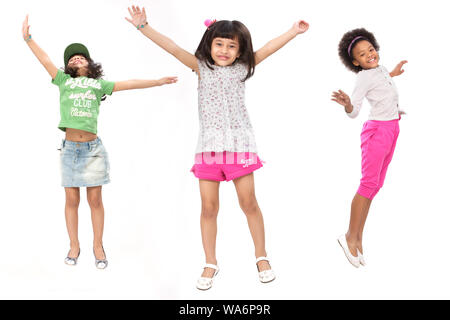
{"points": [[95, 70], [347, 40], [229, 30]]}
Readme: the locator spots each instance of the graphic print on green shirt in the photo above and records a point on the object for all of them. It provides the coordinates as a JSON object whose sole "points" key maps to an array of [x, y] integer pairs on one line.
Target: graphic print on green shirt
{"points": [[80, 100]]}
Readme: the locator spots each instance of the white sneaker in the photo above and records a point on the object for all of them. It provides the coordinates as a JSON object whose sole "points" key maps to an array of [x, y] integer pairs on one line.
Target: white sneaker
{"points": [[361, 259], [204, 283], [266, 275], [351, 258]]}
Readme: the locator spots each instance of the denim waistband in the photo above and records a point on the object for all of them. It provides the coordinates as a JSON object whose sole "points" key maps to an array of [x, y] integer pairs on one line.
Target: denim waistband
{"points": [[88, 145]]}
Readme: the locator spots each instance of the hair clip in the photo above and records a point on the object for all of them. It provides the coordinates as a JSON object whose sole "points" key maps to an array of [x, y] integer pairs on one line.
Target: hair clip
{"points": [[209, 22]]}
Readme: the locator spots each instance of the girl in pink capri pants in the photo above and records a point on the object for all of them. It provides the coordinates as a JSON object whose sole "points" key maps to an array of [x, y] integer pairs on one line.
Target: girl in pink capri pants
{"points": [[358, 51]]}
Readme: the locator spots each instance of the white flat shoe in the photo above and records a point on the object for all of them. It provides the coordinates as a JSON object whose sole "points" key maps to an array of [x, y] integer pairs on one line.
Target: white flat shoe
{"points": [[101, 263], [204, 283], [351, 258], [72, 261], [361, 259], [265, 276]]}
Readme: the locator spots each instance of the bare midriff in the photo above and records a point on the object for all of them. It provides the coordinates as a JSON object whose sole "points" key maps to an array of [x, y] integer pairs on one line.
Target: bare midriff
{"points": [[79, 135]]}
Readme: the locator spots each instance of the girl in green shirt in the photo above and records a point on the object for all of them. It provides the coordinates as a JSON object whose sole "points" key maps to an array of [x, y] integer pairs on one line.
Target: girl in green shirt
{"points": [[84, 161]]}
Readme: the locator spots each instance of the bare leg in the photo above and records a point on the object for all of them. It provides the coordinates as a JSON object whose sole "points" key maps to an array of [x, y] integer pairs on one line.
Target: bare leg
{"points": [[245, 188], [209, 192], [94, 196], [71, 213], [365, 213], [359, 212]]}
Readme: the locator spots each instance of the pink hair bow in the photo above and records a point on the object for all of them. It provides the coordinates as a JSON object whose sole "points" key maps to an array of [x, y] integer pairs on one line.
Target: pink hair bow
{"points": [[209, 22]]}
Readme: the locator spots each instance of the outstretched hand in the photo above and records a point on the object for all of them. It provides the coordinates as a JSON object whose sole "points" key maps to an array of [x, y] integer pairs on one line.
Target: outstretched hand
{"points": [[398, 69], [168, 80], [138, 17], [342, 98], [300, 26], [26, 29]]}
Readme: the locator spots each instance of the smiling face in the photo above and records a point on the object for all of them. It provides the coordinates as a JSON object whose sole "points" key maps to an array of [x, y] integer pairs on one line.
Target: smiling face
{"points": [[224, 51], [80, 63], [365, 55]]}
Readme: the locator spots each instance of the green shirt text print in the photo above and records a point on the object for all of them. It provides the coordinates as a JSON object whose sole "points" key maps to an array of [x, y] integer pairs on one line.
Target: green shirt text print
{"points": [[80, 100]]}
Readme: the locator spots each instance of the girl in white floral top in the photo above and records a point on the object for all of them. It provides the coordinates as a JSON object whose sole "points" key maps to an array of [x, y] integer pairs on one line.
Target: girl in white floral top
{"points": [[226, 148]]}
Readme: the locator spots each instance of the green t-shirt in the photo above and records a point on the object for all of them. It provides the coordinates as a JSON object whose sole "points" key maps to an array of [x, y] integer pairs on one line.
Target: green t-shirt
{"points": [[80, 100]]}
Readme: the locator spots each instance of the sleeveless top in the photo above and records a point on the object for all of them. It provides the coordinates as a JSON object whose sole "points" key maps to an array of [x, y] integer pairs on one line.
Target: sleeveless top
{"points": [[224, 120]]}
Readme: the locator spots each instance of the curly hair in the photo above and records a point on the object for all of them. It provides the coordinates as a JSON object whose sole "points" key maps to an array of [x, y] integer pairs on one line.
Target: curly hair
{"points": [[346, 41], [229, 30], [95, 70]]}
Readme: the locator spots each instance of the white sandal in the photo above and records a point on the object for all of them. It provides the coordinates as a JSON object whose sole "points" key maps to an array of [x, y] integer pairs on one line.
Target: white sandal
{"points": [[265, 276], [204, 283]]}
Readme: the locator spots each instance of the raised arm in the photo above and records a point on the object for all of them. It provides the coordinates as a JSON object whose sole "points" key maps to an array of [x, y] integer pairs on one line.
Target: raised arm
{"points": [[139, 21], [274, 45], [398, 69], [142, 84], [38, 52]]}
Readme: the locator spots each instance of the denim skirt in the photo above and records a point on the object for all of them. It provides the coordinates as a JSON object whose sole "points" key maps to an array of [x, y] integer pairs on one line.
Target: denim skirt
{"points": [[84, 164]]}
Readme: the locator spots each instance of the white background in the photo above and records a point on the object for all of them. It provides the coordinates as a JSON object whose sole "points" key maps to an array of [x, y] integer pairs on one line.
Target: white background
{"points": [[152, 231]]}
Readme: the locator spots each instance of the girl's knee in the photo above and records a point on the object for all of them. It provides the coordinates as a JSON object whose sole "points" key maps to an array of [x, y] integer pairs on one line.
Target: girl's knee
{"points": [[73, 200], [249, 205], [95, 201], [210, 210]]}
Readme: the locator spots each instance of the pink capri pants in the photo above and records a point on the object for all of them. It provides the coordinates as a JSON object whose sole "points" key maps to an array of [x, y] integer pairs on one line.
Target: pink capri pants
{"points": [[378, 140]]}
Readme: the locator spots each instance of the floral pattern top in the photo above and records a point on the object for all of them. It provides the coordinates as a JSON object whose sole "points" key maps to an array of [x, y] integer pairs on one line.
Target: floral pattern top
{"points": [[224, 121]]}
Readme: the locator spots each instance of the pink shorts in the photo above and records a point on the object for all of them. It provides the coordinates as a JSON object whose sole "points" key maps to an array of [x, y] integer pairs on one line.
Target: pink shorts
{"points": [[378, 140], [225, 166]]}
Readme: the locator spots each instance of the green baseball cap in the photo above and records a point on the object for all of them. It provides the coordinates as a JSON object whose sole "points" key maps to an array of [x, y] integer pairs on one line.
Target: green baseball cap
{"points": [[73, 49]]}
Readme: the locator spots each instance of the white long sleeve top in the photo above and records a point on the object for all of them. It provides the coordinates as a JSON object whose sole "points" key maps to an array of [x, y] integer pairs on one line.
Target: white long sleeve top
{"points": [[377, 86]]}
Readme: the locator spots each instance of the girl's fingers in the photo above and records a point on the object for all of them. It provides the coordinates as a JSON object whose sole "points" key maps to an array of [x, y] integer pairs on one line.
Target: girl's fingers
{"points": [[337, 94], [339, 102], [130, 21], [400, 65], [343, 93], [304, 24], [129, 11]]}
